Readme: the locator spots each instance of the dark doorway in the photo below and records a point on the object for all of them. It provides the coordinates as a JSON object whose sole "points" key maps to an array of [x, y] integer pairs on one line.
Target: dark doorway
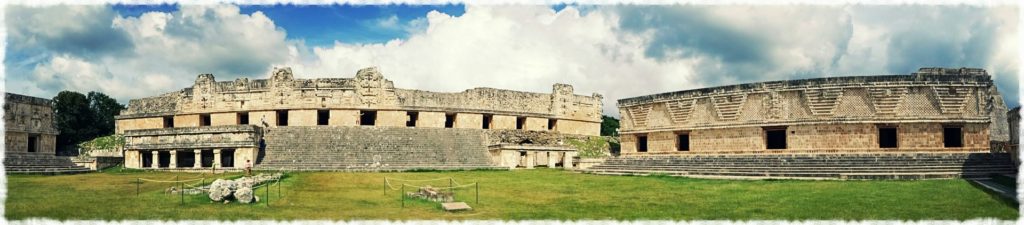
{"points": [[413, 116], [186, 158], [683, 142], [168, 121], [887, 137], [449, 120], [367, 118], [641, 143], [487, 121], [204, 120], [33, 143], [953, 137], [775, 138], [322, 117], [243, 118], [282, 118], [552, 123], [147, 158], [206, 158], [520, 121], [227, 158], [165, 159]]}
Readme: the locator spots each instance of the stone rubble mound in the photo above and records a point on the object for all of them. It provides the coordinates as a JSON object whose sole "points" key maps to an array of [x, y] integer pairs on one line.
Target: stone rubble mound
{"points": [[241, 189]]}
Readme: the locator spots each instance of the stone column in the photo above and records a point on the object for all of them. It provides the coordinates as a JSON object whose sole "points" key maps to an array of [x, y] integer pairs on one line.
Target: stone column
{"points": [[552, 160], [174, 159], [216, 158], [156, 160], [531, 159], [198, 162], [567, 163]]}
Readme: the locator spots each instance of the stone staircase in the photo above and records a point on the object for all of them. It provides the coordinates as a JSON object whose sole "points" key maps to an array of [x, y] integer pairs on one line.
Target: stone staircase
{"points": [[372, 149], [814, 166], [40, 163]]}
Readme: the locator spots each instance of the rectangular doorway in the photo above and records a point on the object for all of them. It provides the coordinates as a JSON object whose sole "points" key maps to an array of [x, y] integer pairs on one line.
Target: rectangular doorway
{"points": [[33, 143], [775, 138], [953, 137], [887, 137], [641, 143]]}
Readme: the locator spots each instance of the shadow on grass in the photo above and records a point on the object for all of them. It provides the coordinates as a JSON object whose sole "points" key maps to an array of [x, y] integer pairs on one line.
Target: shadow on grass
{"points": [[995, 195]]}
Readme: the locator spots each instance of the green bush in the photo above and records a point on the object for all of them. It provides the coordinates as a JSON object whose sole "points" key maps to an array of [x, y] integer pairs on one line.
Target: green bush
{"points": [[109, 142], [590, 147]]}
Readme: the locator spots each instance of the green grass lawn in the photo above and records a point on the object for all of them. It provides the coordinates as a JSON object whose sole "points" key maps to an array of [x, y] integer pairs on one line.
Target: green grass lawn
{"points": [[519, 194]]}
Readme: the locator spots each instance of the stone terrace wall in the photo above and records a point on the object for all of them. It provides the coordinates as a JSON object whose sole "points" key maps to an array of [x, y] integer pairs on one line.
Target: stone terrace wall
{"points": [[964, 96], [838, 114], [367, 90]]}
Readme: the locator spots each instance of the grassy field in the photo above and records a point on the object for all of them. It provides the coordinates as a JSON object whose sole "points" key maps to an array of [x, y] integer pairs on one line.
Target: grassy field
{"points": [[520, 194]]}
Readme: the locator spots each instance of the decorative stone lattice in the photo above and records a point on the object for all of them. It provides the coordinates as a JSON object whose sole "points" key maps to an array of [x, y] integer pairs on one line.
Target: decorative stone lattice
{"points": [[823, 102], [680, 110], [639, 115], [728, 106], [886, 99], [951, 99]]}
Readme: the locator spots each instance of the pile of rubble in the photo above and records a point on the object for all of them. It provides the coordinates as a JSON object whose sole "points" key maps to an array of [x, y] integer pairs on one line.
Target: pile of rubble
{"points": [[432, 194], [240, 189]]}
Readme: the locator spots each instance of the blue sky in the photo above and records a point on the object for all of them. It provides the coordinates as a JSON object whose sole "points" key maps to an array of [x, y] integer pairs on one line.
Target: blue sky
{"points": [[132, 51]]}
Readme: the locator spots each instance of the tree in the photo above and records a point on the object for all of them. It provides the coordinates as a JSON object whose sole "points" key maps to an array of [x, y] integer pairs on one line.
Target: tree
{"points": [[609, 126], [73, 117], [104, 109], [81, 118]]}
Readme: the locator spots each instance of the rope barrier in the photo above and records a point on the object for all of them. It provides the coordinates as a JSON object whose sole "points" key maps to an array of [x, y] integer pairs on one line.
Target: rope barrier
{"points": [[453, 187], [169, 181], [442, 178]]}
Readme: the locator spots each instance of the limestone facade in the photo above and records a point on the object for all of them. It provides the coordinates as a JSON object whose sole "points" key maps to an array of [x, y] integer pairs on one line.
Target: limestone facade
{"points": [[365, 100], [28, 125], [917, 112]]}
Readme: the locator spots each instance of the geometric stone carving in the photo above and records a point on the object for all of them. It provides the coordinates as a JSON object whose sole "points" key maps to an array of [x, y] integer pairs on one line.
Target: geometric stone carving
{"points": [[728, 106], [639, 114], [885, 100], [951, 99], [680, 110], [822, 102]]}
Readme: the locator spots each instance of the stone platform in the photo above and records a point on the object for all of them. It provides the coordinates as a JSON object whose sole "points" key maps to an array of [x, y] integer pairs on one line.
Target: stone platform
{"points": [[813, 166], [40, 163], [327, 148]]}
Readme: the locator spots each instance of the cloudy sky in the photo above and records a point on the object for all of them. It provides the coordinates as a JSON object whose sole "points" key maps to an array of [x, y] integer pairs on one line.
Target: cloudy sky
{"points": [[617, 51]]}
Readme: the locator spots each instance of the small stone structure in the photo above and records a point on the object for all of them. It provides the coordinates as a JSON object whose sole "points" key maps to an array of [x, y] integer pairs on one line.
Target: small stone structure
{"points": [[30, 137], [233, 116]]}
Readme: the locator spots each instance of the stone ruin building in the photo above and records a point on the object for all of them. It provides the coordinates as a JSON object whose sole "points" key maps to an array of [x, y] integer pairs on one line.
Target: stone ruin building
{"points": [[934, 123], [31, 137], [352, 124]]}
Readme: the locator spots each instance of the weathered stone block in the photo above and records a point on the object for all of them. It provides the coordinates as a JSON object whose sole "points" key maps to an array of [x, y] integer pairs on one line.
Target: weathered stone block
{"points": [[469, 120], [302, 117], [186, 120], [500, 122], [220, 119], [344, 118], [391, 118]]}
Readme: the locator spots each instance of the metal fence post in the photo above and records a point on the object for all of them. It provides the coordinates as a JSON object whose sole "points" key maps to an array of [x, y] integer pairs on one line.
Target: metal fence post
{"points": [[268, 194], [138, 181], [477, 192], [403, 195], [181, 190]]}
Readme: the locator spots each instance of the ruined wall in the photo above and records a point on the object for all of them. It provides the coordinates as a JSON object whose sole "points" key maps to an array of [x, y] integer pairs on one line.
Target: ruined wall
{"points": [[25, 117], [824, 114], [368, 90]]}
